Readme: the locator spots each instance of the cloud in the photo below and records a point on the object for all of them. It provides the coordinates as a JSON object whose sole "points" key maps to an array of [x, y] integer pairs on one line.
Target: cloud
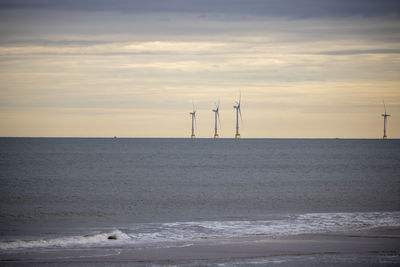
{"points": [[133, 64], [303, 8], [360, 52], [154, 47]]}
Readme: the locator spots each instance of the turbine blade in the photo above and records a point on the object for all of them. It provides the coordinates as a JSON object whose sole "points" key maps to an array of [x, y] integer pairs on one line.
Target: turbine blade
{"points": [[240, 113], [384, 106], [219, 120]]}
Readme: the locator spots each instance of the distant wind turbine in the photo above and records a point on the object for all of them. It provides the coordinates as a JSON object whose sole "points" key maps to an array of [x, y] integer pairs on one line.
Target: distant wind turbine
{"points": [[216, 111], [237, 107], [384, 121], [193, 122]]}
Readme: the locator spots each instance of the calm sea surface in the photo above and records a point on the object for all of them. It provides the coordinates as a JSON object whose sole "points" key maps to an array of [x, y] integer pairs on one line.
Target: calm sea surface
{"points": [[56, 191]]}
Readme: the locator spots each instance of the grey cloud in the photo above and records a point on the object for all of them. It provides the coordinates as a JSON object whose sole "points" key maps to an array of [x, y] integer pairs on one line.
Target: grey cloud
{"points": [[47, 42], [286, 8], [360, 52], [88, 28]]}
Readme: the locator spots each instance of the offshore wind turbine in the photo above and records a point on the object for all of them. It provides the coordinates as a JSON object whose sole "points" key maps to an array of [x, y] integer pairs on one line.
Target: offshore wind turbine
{"points": [[193, 113], [385, 115], [237, 107], [216, 111]]}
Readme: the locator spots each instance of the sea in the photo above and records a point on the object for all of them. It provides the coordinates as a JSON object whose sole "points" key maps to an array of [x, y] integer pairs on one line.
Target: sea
{"points": [[77, 192]]}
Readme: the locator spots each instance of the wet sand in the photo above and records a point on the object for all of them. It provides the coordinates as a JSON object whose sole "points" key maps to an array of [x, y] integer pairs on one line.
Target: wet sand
{"points": [[372, 244]]}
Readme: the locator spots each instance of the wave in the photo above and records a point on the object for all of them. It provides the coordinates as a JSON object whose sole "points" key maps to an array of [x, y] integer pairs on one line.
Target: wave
{"points": [[286, 225], [91, 239], [190, 231]]}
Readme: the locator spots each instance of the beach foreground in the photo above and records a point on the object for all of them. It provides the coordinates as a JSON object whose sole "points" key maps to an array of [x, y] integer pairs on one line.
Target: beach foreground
{"points": [[368, 248]]}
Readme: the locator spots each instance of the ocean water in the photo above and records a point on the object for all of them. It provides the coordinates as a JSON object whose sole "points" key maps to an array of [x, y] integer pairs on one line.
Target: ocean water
{"points": [[69, 192]]}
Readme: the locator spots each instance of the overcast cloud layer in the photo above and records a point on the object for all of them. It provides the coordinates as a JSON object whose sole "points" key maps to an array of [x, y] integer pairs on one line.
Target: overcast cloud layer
{"points": [[286, 8], [132, 68]]}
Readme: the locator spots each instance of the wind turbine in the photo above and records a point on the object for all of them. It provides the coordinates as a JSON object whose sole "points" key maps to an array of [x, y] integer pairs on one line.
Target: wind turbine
{"points": [[216, 111], [237, 107], [384, 121], [193, 122]]}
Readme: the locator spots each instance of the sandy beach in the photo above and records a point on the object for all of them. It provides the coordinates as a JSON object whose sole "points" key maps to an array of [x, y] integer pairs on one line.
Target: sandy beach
{"points": [[377, 247]]}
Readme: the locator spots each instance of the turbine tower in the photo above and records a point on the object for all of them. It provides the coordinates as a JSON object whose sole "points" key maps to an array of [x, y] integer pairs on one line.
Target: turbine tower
{"points": [[384, 121], [237, 107], [216, 111], [193, 122]]}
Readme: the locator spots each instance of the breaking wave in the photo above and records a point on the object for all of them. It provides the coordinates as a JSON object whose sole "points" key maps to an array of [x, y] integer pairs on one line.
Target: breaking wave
{"points": [[191, 231], [94, 239]]}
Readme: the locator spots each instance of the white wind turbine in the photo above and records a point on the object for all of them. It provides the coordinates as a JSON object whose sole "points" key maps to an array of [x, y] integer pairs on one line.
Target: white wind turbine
{"points": [[193, 122], [237, 107], [385, 115], [216, 111]]}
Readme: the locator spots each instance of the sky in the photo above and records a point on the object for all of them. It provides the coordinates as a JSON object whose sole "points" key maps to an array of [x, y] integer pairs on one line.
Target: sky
{"points": [[303, 68]]}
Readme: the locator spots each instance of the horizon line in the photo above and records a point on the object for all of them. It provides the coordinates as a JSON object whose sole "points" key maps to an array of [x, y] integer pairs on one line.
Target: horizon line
{"points": [[226, 138]]}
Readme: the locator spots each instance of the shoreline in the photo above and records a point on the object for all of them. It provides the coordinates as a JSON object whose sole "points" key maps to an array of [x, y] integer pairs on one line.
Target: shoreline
{"points": [[370, 244]]}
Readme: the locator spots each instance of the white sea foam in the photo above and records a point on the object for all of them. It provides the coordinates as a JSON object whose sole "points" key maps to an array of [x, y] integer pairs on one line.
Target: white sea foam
{"points": [[190, 231], [290, 225], [97, 239]]}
